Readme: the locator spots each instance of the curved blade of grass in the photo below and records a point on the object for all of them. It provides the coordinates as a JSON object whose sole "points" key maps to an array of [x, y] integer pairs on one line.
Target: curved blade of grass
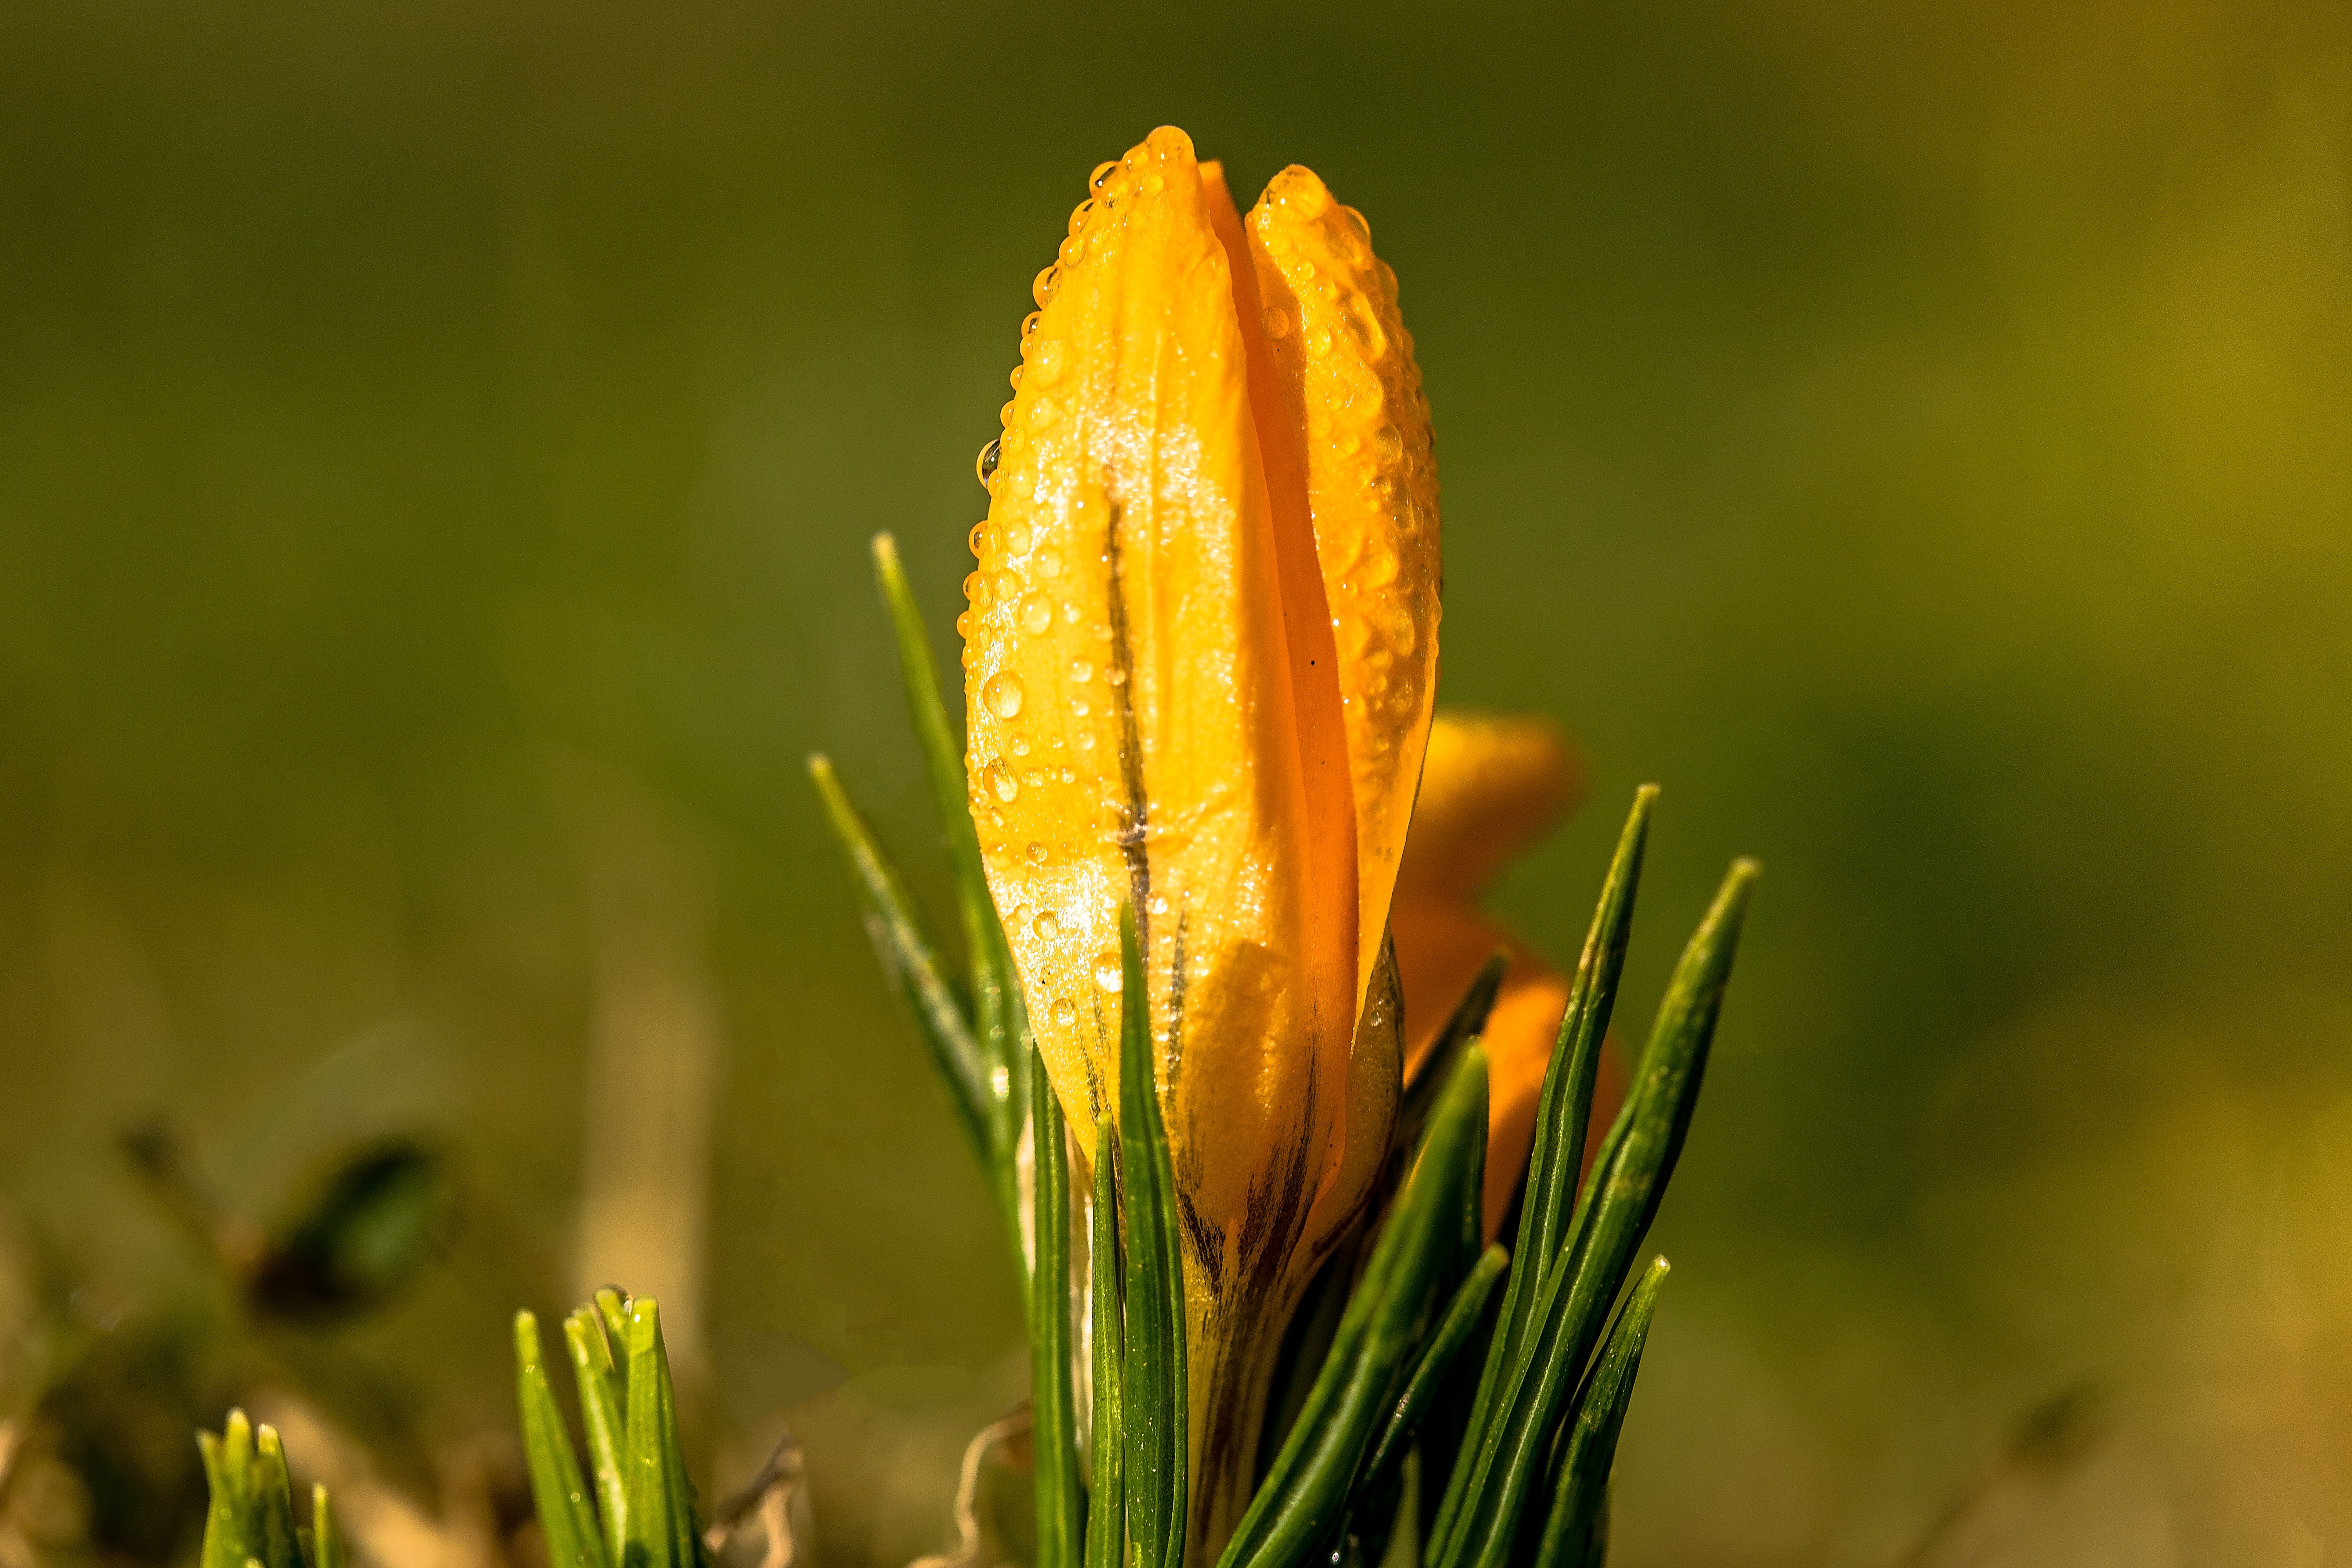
{"points": [[1572, 1528], [997, 1022], [603, 1414], [1153, 1387], [1562, 1110], [1107, 1511], [567, 1519], [1609, 1226], [660, 1528], [327, 1548], [1305, 1493], [1054, 1430], [911, 960]]}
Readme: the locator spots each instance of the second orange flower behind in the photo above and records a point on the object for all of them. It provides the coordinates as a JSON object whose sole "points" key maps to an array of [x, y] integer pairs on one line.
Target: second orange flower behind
{"points": [[1200, 661]]}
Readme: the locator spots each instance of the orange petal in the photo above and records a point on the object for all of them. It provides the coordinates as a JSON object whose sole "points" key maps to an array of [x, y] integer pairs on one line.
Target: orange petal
{"points": [[1492, 784], [1344, 378]]}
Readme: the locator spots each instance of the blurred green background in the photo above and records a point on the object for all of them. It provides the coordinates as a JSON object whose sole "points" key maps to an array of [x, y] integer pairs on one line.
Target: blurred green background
{"points": [[437, 444]]}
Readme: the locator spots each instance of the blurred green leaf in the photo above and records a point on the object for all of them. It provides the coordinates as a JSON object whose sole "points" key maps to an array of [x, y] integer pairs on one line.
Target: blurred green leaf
{"points": [[604, 1405], [567, 1517]]}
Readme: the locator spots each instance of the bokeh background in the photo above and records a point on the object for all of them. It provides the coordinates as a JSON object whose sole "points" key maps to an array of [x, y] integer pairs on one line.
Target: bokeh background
{"points": [[437, 445]]}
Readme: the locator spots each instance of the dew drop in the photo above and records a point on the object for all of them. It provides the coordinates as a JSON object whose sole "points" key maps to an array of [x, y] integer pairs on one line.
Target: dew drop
{"points": [[1049, 562], [1020, 745], [1006, 583], [1036, 616], [1081, 671], [1003, 694], [1050, 360], [1041, 412], [1048, 282], [1037, 853], [1002, 783], [975, 588], [1065, 1011], [1014, 378], [1033, 778], [1388, 443], [1016, 540], [1047, 927], [1070, 613], [1277, 321], [1004, 417], [1079, 216], [1069, 776], [1101, 176], [963, 626], [1078, 709], [1029, 322], [1116, 676], [1107, 974], [1158, 903], [977, 540], [1154, 182]]}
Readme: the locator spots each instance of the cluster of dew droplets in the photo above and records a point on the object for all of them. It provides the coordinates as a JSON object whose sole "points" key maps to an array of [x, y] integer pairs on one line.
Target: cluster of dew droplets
{"points": [[1019, 588]]}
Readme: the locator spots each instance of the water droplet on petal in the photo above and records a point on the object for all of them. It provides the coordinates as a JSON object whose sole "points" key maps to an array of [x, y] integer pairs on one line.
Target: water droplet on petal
{"points": [[977, 540], [1081, 671], [1003, 694], [1388, 443], [1036, 854], [1064, 1011], [1002, 783], [1036, 616], [1048, 282], [1116, 676], [975, 588], [1108, 972], [1047, 927], [1277, 321], [1158, 903]]}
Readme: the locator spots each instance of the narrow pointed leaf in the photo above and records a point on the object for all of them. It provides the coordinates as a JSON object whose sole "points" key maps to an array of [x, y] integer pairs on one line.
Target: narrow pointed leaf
{"points": [[1574, 1529], [1106, 1512], [1153, 1389], [603, 1414], [327, 1547], [231, 1524], [567, 1517], [660, 1530], [1436, 1360], [1562, 1110], [1305, 1495], [996, 1016], [1608, 1230], [274, 1501], [911, 960], [1055, 1415]]}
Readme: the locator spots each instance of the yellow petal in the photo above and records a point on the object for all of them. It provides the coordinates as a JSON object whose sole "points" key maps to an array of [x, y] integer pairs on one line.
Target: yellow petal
{"points": [[1346, 382]]}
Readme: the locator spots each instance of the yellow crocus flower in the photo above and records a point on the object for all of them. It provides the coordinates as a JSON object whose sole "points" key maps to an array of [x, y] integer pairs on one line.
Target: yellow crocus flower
{"points": [[1199, 663]]}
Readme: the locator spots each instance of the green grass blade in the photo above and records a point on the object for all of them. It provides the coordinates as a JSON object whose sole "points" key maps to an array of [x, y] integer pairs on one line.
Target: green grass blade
{"points": [[1437, 1358], [1059, 1497], [1106, 1512], [660, 1530], [603, 1413], [274, 1501], [327, 1548], [1153, 1387], [233, 1529], [1611, 1222], [1304, 1497], [998, 1026], [567, 1519], [1574, 1529], [1562, 1110], [911, 960]]}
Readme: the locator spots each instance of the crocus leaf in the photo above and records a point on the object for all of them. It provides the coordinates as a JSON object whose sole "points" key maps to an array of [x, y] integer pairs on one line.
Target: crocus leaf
{"points": [[231, 1524], [1305, 1494], [1437, 1357], [327, 1548], [999, 1027], [1153, 1388], [1561, 1113], [603, 1413], [660, 1528], [911, 960], [274, 1500], [1055, 1415], [1106, 1514], [1608, 1228], [567, 1517], [1574, 1529]]}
